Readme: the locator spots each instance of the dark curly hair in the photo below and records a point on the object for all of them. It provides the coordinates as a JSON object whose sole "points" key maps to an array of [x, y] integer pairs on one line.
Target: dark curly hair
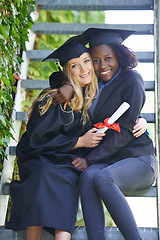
{"points": [[127, 58]]}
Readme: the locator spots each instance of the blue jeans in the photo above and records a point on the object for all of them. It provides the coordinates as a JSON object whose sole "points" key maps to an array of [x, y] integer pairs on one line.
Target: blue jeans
{"points": [[107, 182]]}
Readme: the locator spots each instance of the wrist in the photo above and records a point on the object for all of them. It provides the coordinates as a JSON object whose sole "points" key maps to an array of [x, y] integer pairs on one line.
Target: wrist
{"points": [[79, 142], [67, 83]]}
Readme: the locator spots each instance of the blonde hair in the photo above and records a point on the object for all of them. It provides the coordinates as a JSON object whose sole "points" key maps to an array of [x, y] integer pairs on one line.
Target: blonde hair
{"points": [[45, 97], [80, 101]]}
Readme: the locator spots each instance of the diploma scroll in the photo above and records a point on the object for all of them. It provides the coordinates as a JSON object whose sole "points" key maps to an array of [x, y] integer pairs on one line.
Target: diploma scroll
{"points": [[118, 113]]}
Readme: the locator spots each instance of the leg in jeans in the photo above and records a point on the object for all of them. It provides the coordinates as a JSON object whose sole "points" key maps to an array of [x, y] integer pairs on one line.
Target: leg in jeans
{"points": [[91, 203], [127, 175]]}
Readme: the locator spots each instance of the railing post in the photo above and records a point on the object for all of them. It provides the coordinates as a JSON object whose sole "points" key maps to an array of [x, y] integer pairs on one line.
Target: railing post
{"points": [[157, 92]]}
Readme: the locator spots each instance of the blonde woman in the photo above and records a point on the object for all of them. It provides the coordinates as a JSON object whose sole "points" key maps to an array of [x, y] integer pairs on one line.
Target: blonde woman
{"points": [[47, 194]]}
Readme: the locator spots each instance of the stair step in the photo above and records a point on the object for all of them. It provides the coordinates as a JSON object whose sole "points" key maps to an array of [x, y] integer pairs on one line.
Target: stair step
{"points": [[77, 28], [41, 84], [150, 117], [150, 192], [39, 55], [80, 234], [21, 116], [90, 5], [149, 85]]}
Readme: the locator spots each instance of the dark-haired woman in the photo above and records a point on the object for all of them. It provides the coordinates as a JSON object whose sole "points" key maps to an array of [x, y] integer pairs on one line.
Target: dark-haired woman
{"points": [[121, 162]]}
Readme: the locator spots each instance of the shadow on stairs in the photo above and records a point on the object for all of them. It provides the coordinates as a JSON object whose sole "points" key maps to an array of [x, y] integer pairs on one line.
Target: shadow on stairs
{"points": [[112, 233]]}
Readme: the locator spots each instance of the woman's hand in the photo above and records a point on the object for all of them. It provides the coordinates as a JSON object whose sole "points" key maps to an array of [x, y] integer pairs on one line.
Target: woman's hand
{"points": [[81, 163], [64, 95], [140, 127], [90, 139]]}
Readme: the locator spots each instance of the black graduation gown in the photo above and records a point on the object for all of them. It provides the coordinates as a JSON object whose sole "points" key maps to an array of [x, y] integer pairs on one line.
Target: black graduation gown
{"points": [[126, 87], [47, 194]]}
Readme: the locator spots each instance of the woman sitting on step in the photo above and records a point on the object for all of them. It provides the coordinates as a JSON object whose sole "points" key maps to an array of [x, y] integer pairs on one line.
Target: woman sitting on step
{"points": [[47, 195]]}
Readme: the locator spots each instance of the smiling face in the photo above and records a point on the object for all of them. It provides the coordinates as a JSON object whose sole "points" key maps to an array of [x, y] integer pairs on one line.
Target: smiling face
{"points": [[105, 61], [81, 69]]}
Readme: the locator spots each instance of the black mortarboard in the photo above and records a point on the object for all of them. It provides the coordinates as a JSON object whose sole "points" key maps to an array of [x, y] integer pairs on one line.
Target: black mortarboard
{"points": [[56, 78], [70, 49], [74, 47], [99, 36]]}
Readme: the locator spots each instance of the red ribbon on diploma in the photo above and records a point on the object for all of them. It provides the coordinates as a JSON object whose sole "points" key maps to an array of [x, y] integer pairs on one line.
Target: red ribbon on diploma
{"points": [[114, 126]]}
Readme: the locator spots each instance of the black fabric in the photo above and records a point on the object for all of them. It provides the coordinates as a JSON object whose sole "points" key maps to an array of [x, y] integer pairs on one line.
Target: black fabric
{"points": [[47, 194], [99, 36], [126, 87], [56, 79], [69, 50]]}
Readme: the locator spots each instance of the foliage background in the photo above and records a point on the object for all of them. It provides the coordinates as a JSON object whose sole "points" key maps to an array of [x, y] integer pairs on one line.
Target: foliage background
{"points": [[15, 20]]}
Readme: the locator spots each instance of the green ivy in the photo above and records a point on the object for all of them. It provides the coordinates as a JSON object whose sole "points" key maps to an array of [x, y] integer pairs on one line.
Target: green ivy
{"points": [[15, 20]]}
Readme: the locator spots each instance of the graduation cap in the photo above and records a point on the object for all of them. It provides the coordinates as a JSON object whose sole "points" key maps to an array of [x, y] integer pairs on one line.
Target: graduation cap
{"points": [[72, 48], [99, 36], [75, 46]]}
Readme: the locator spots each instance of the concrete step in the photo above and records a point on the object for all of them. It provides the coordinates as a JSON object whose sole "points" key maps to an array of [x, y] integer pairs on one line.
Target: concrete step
{"points": [[39, 55], [41, 84], [78, 28], [150, 117], [150, 192], [80, 234], [92, 5]]}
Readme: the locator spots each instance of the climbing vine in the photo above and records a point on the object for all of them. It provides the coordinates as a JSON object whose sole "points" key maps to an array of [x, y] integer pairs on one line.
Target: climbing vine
{"points": [[15, 20]]}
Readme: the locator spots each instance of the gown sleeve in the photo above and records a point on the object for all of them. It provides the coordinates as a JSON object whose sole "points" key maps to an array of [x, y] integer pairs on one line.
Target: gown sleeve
{"points": [[51, 131], [132, 92]]}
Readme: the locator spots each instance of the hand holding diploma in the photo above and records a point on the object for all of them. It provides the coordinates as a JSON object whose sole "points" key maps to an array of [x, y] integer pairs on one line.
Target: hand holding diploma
{"points": [[109, 122]]}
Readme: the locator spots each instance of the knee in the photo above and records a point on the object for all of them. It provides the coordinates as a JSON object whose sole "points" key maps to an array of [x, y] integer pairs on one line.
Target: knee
{"points": [[86, 176], [103, 179]]}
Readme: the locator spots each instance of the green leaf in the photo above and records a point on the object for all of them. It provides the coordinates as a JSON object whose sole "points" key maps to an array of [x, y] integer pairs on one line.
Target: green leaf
{"points": [[6, 139], [14, 25], [2, 119], [3, 32]]}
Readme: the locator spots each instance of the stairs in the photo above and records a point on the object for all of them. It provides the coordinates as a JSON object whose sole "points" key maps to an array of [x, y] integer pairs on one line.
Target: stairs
{"points": [[151, 85], [111, 233]]}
